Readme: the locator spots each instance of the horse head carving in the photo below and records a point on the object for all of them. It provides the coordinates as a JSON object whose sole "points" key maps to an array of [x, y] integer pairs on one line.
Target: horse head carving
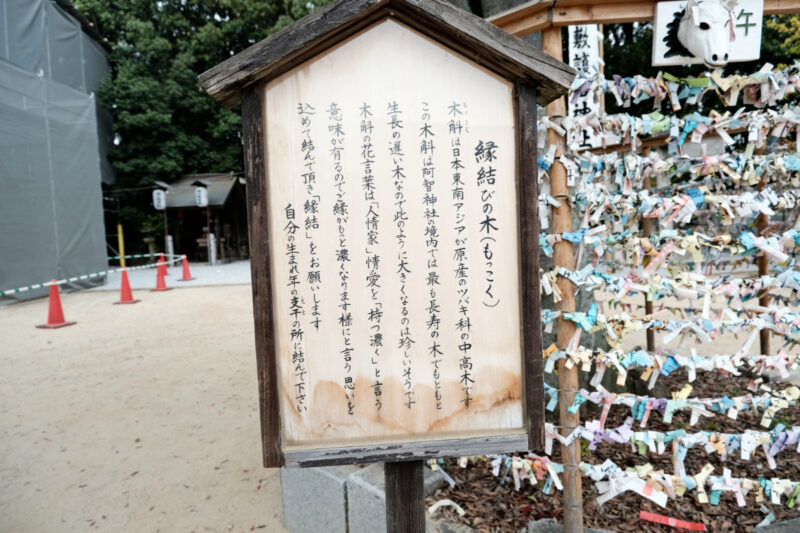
{"points": [[704, 30]]}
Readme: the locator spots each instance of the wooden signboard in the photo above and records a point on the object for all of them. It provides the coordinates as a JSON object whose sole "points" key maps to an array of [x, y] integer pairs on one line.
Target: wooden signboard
{"points": [[394, 234], [393, 217]]}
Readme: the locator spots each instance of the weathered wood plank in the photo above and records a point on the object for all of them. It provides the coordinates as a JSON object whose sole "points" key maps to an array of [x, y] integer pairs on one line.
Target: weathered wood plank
{"points": [[563, 257], [254, 170], [539, 15], [622, 12], [471, 35], [781, 7], [529, 251], [404, 451], [763, 261], [405, 497], [522, 26], [289, 47], [659, 139], [551, 77]]}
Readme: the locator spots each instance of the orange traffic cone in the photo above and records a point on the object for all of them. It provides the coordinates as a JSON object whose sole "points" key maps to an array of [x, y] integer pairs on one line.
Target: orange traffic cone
{"points": [[125, 293], [187, 276], [161, 271], [162, 264], [55, 315]]}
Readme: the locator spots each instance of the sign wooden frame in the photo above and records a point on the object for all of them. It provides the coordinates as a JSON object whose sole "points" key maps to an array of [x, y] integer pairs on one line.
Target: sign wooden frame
{"points": [[428, 17]]}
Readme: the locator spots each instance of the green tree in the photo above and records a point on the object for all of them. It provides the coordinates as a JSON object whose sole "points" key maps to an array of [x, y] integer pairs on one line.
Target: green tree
{"points": [[787, 35], [164, 124]]}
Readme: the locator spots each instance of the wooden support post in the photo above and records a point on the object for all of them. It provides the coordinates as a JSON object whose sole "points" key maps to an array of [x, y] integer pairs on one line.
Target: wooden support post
{"points": [[121, 245], [166, 229], [602, 51], [529, 240], [763, 262], [647, 230], [405, 499], [261, 276], [563, 256]]}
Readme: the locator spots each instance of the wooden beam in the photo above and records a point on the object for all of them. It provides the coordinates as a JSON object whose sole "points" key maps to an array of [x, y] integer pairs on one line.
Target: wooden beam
{"points": [[763, 261], [563, 256], [529, 247], [525, 19], [522, 26], [266, 361], [602, 14], [781, 7], [306, 457], [660, 139], [540, 15], [405, 497], [647, 230]]}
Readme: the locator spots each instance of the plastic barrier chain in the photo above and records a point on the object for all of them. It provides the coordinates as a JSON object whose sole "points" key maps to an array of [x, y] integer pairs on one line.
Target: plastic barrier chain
{"points": [[173, 259]]}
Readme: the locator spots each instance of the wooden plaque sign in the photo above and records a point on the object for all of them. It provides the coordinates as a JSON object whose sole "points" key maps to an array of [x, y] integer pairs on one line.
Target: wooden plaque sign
{"points": [[393, 221], [392, 185]]}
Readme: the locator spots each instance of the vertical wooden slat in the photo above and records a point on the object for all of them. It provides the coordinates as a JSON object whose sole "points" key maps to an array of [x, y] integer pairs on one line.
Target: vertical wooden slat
{"points": [[563, 256], [763, 262], [647, 230], [405, 498], [529, 250], [253, 121]]}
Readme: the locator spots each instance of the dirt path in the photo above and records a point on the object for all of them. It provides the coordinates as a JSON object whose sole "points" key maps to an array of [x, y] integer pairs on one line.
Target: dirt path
{"points": [[139, 418]]}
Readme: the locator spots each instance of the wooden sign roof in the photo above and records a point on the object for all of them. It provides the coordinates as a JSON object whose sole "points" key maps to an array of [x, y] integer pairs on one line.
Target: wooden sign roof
{"points": [[463, 32]]}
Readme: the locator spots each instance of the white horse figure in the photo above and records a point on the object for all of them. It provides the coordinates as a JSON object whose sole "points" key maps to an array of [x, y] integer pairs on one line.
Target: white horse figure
{"points": [[704, 30]]}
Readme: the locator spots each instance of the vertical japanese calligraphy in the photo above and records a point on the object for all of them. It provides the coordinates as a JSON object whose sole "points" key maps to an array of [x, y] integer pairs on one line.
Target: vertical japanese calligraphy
{"points": [[296, 310], [341, 214], [429, 201], [310, 209], [398, 176], [372, 257], [456, 126], [485, 154], [584, 56], [392, 193]]}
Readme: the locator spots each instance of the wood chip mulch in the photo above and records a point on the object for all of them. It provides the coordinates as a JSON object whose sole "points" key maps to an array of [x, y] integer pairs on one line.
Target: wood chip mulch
{"points": [[492, 507]]}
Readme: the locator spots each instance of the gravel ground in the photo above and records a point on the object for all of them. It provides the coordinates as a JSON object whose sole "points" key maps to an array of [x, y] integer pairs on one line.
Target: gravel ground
{"points": [[138, 418], [233, 273]]}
